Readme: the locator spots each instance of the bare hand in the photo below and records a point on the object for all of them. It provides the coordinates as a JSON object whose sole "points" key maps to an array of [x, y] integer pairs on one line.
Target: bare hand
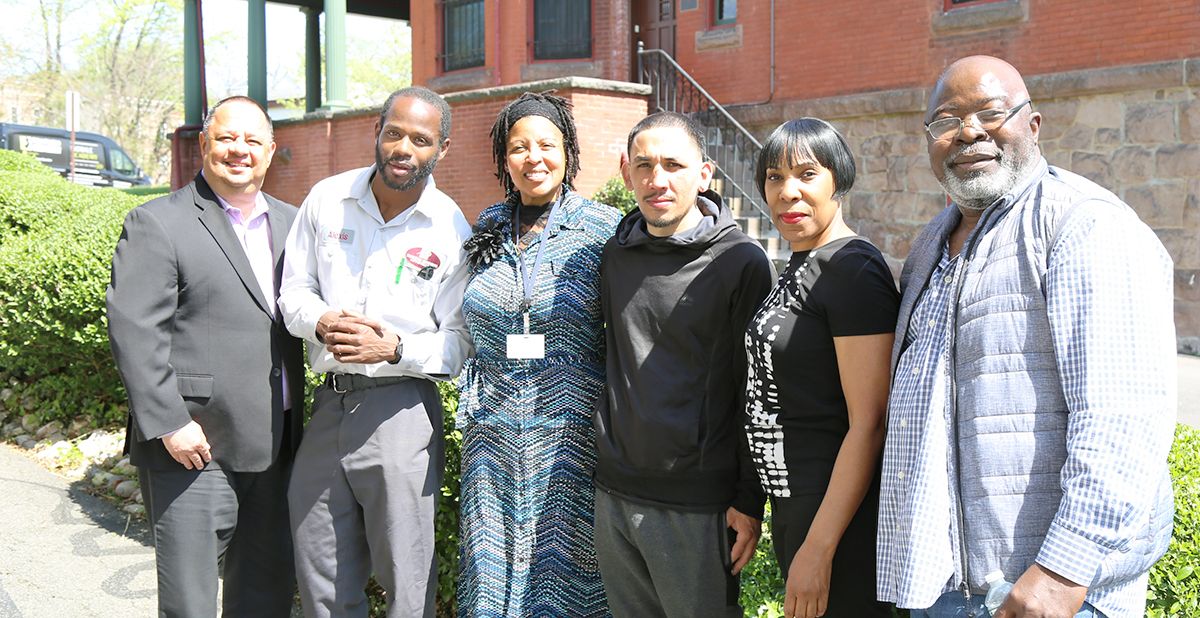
{"points": [[354, 338], [807, 594], [189, 446], [1042, 593], [747, 530]]}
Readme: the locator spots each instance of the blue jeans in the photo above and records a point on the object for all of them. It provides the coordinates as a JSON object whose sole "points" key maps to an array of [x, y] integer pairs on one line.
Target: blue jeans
{"points": [[953, 605]]}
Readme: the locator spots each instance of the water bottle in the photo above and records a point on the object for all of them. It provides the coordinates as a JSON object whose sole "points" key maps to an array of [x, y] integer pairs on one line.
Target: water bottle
{"points": [[997, 591]]}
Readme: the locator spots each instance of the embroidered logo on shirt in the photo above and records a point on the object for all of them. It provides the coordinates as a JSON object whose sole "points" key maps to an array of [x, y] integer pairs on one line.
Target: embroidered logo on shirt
{"points": [[423, 259]]}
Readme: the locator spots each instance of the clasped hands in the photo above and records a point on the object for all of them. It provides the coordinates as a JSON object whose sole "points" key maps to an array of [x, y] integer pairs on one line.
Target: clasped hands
{"points": [[354, 338]]}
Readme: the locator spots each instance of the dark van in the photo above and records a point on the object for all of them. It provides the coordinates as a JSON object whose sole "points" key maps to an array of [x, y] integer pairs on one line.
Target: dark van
{"points": [[99, 161]]}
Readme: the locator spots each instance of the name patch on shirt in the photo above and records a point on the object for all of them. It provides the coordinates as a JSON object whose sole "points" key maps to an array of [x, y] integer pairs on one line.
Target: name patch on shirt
{"points": [[331, 236]]}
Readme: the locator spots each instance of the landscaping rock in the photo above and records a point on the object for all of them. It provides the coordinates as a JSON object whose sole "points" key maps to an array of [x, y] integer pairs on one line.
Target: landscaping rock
{"points": [[29, 444], [29, 423], [92, 471], [20, 438], [101, 445], [125, 489], [10, 429], [6, 394], [137, 496], [28, 404], [135, 509], [49, 429], [102, 479], [55, 450]]}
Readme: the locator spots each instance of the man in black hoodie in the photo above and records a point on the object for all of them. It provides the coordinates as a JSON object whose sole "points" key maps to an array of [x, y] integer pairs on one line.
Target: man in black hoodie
{"points": [[680, 283]]}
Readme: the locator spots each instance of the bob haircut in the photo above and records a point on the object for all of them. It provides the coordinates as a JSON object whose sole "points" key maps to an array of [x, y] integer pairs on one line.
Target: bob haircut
{"points": [[806, 140]]}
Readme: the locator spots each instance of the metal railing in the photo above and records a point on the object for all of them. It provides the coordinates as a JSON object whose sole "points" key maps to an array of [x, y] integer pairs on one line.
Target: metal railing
{"points": [[730, 146]]}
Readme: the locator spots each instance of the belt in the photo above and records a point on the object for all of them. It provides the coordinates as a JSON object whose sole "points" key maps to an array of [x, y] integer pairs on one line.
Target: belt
{"points": [[344, 382]]}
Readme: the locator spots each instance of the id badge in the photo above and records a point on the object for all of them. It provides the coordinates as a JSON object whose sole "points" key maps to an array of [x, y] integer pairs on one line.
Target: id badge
{"points": [[527, 346]]}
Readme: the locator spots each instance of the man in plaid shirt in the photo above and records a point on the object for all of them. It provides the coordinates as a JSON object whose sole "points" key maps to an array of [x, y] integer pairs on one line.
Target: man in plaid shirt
{"points": [[1034, 378]]}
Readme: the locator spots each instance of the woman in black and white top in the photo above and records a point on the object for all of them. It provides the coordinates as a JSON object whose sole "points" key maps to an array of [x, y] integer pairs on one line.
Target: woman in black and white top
{"points": [[818, 351]]}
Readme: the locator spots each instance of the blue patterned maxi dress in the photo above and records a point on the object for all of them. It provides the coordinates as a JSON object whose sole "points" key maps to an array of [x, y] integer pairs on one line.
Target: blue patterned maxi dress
{"points": [[528, 444]]}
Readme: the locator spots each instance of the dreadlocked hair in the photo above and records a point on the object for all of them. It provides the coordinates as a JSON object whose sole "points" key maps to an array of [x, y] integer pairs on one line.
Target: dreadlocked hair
{"points": [[547, 105]]}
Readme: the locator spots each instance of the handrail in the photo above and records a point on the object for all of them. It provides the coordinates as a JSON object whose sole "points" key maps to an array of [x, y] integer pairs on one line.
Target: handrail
{"points": [[711, 101]]}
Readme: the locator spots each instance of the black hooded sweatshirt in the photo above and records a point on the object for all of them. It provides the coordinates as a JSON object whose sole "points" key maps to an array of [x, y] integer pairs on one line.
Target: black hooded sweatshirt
{"points": [[670, 428]]}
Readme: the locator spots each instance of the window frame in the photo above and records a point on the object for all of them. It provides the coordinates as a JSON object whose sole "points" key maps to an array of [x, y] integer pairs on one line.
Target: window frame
{"points": [[444, 67], [718, 22], [951, 5]]}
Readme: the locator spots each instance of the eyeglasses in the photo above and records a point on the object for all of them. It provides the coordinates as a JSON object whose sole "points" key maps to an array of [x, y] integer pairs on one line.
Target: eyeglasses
{"points": [[988, 120]]}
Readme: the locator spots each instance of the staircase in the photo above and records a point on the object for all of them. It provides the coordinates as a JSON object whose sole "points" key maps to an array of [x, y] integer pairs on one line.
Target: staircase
{"points": [[730, 146]]}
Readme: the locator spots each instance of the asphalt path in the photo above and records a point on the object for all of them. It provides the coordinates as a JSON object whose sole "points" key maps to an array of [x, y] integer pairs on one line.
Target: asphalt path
{"points": [[66, 553], [1189, 391]]}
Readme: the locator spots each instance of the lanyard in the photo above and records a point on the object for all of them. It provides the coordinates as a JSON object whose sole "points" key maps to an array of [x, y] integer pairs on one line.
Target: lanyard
{"points": [[529, 279]]}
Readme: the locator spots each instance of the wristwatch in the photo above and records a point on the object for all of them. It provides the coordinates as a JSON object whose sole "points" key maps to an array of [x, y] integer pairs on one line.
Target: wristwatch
{"points": [[399, 350]]}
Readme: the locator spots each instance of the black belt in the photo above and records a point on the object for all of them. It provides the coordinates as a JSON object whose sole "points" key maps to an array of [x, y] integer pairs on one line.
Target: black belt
{"points": [[345, 382]]}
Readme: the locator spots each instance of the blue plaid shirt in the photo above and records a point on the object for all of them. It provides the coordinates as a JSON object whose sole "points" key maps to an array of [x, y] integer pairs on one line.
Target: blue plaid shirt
{"points": [[1108, 293]]}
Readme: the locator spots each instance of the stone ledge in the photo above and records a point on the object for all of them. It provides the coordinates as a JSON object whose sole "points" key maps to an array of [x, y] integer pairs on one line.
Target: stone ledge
{"points": [[978, 16], [558, 83], [1114, 79], [721, 38], [539, 71], [461, 80], [328, 114]]}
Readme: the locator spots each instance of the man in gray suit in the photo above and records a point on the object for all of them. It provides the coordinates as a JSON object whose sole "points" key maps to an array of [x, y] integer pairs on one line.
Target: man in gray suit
{"points": [[215, 381]]}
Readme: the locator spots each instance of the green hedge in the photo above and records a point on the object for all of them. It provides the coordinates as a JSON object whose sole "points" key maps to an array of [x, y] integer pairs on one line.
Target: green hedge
{"points": [[56, 243]]}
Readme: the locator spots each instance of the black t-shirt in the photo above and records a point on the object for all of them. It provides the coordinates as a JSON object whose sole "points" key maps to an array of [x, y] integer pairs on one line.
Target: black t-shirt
{"points": [[796, 410]]}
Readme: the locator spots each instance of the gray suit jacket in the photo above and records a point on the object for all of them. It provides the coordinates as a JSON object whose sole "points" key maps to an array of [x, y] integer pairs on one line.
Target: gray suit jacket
{"points": [[194, 338]]}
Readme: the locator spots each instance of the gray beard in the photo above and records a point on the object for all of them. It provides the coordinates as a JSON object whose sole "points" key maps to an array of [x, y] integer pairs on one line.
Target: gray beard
{"points": [[981, 189]]}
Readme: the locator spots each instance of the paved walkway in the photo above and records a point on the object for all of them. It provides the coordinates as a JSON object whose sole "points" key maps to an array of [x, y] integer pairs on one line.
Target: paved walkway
{"points": [[1189, 390], [65, 553]]}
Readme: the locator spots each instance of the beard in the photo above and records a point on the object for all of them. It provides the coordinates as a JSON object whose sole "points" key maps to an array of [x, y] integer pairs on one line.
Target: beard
{"points": [[982, 188], [419, 175]]}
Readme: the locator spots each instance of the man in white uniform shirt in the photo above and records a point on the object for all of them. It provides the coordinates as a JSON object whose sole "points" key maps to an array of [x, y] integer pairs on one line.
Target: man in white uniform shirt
{"points": [[373, 281]]}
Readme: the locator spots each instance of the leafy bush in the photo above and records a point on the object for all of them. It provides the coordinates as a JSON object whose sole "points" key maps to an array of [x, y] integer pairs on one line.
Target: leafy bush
{"points": [[13, 161], [58, 240], [1174, 583], [614, 193]]}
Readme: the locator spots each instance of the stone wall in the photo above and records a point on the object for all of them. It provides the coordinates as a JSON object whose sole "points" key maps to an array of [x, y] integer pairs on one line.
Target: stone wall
{"points": [[1134, 130]]}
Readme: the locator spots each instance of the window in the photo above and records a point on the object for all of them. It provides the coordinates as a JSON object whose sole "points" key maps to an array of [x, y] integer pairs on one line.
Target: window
{"points": [[955, 4], [463, 34], [121, 163], [562, 29], [724, 12]]}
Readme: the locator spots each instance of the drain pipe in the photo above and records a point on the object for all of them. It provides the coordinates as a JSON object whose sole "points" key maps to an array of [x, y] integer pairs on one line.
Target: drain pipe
{"points": [[771, 94]]}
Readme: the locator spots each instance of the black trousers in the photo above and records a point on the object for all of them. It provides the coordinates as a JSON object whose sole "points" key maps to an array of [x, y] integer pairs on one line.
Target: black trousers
{"points": [[199, 515], [852, 578]]}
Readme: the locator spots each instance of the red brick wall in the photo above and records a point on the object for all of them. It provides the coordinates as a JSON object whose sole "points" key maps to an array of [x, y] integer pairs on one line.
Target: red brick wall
{"points": [[603, 121], [611, 30], [835, 48]]}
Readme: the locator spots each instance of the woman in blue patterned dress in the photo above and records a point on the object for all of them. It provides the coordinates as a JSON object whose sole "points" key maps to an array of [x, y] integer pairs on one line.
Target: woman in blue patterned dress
{"points": [[533, 308]]}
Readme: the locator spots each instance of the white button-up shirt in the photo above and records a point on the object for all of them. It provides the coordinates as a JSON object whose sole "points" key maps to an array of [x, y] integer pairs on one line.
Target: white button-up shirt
{"points": [[409, 273]]}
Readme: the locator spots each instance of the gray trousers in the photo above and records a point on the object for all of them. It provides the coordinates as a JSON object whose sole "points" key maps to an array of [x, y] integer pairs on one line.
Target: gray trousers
{"points": [[660, 563], [362, 499], [199, 515]]}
